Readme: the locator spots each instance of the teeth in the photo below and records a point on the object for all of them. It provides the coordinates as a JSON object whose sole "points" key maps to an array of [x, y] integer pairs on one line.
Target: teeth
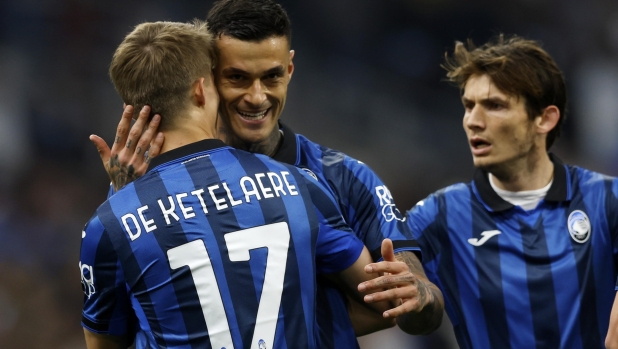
{"points": [[253, 116]]}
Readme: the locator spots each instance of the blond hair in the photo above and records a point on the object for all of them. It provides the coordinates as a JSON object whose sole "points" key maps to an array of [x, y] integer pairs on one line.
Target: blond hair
{"points": [[157, 63]]}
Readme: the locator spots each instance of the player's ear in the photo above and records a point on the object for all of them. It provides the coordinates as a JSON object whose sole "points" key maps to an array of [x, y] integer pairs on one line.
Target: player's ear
{"points": [[291, 63], [548, 120], [199, 96]]}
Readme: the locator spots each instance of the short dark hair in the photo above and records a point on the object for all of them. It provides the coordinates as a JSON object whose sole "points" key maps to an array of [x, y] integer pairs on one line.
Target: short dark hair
{"points": [[516, 66], [157, 63], [249, 20]]}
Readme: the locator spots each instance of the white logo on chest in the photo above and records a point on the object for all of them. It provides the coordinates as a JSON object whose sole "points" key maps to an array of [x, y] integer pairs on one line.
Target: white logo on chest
{"points": [[579, 226], [486, 235]]}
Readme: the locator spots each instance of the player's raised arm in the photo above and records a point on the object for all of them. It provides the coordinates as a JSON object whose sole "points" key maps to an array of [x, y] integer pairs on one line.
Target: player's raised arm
{"points": [[127, 159], [420, 303]]}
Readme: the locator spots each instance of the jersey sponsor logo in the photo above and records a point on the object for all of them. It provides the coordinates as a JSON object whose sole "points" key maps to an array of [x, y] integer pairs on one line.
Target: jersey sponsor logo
{"points": [[389, 210], [87, 279], [579, 226], [309, 172], [486, 235], [261, 344]]}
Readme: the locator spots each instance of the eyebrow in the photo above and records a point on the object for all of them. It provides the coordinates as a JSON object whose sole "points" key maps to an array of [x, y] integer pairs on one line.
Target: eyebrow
{"points": [[465, 100], [276, 70]]}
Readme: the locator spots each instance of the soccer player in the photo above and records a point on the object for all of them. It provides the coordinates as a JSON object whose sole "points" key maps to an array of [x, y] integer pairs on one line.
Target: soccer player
{"points": [[525, 253], [212, 247], [255, 65]]}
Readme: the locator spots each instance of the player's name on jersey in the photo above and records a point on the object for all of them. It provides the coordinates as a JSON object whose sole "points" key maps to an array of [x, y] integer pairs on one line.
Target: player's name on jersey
{"points": [[260, 186]]}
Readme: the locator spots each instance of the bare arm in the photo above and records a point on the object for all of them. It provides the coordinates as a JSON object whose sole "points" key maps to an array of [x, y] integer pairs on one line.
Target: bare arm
{"points": [[125, 161], [421, 302], [611, 341], [103, 341], [366, 321], [348, 281]]}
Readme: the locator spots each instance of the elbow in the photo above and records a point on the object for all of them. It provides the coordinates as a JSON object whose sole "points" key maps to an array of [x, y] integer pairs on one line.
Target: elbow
{"points": [[420, 325]]}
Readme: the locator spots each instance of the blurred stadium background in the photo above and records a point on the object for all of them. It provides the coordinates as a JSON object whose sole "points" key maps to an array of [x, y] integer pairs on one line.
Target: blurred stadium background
{"points": [[367, 82]]}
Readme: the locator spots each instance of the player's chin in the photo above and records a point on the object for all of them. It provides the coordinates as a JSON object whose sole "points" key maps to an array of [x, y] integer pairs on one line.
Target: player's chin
{"points": [[483, 163]]}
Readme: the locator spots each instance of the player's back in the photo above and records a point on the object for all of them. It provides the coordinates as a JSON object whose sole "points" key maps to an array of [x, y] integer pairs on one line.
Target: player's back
{"points": [[216, 249]]}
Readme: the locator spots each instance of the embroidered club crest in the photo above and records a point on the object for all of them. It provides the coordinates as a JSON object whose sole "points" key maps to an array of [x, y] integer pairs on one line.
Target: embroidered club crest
{"points": [[579, 226]]}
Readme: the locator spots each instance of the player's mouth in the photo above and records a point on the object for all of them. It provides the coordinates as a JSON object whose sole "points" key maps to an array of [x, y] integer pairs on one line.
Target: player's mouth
{"points": [[479, 146], [253, 116]]}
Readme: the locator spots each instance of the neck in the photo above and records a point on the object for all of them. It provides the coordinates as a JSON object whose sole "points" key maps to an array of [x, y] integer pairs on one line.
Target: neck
{"points": [[268, 147], [529, 173], [192, 128]]}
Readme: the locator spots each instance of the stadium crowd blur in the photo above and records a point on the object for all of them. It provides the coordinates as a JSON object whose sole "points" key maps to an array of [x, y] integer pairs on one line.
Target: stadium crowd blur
{"points": [[367, 82]]}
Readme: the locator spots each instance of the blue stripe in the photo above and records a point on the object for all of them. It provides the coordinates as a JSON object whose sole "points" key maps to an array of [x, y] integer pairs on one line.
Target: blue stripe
{"points": [[517, 306], [584, 257], [165, 285], [204, 173], [540, 283], [131, 266], [562, 267]]}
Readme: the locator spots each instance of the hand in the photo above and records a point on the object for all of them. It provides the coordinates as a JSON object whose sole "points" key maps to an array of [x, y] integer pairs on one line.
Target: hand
{"points": [[407, 292], [125, 161]]}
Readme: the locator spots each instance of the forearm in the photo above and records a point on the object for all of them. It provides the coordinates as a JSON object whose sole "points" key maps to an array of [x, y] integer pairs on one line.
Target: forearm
{"points": [[365, 320]]}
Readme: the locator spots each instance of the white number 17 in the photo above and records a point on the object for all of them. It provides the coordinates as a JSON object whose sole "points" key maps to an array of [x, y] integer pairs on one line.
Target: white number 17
{"points": [[275, 237]]}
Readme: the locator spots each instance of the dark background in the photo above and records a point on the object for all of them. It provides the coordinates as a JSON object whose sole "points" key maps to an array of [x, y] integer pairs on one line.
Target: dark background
{"points": [[367, 82]]}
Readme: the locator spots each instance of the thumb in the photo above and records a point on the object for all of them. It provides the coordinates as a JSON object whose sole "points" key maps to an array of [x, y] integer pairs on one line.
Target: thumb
{"points": [[388, 253], [102, 148]]}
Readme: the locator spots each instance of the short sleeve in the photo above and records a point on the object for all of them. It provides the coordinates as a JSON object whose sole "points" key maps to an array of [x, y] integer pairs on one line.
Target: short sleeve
{"points": [[337, 247], [107, 307]]}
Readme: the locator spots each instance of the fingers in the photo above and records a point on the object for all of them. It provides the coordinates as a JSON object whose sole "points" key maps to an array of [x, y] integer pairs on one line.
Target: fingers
{"points": [[388, 253], [386, 267], [137, 129], [155, 147], [388, 281], [409, 306], [122, 130], [102, 148], [146, 138]]}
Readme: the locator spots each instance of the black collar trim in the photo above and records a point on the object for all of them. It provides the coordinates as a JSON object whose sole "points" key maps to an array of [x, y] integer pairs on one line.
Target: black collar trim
{"points": [[186, 150], [288, 151], [558, 191]]}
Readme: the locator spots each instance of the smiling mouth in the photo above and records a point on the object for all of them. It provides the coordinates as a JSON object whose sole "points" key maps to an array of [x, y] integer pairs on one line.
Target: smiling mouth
{"points": [[253, 116]]}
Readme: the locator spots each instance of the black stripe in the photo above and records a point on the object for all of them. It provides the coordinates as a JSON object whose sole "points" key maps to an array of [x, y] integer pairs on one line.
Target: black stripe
{"points": [[488, 266], [588, 322], [541, 287], [274, 211], [170, 236], [435, 242], [131, 269]]}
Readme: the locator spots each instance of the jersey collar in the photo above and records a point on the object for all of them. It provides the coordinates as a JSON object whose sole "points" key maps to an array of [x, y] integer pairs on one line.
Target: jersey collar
{"points": [[185, 150], [557, 192], [288, 151]]}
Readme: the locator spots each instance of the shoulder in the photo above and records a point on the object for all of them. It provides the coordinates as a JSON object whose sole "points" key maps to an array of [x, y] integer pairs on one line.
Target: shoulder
{"points": [[590, 182], [452, 193]]}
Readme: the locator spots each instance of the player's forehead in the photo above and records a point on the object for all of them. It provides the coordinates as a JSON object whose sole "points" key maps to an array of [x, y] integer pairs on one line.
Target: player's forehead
{"points": [[252, 56], [480, 87]]}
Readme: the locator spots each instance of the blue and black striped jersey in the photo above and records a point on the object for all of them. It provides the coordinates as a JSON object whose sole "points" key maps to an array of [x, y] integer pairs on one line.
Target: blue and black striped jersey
{"points": [[512, 278], [213, 248], [367, 206]]}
